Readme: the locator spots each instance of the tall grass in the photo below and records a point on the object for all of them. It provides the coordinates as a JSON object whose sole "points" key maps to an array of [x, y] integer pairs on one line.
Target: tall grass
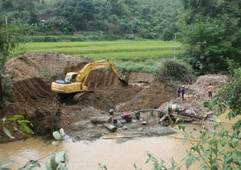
{"points": [[129, 55]]}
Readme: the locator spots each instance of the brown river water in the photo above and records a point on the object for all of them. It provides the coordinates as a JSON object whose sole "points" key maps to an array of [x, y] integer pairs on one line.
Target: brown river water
{"points": [[86, 155]]}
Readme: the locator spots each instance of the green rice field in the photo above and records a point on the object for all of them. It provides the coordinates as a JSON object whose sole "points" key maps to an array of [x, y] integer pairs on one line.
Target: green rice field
{"points": [[138, 55]]}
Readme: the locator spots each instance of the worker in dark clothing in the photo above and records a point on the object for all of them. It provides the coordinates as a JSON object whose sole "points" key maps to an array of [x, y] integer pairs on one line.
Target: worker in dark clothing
{"points": [[183, 92], [178, 92]]}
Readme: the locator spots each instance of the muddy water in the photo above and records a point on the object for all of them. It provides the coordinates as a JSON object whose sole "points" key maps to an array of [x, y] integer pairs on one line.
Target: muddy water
{"points": [[87, 155], [226, 122]]}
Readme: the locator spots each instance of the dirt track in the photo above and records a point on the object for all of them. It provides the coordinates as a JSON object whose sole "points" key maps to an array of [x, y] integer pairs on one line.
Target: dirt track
{"points": [[30, 76]]}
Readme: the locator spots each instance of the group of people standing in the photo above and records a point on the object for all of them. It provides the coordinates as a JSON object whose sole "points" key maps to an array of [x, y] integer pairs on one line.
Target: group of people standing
{"points": [[181, 91]]}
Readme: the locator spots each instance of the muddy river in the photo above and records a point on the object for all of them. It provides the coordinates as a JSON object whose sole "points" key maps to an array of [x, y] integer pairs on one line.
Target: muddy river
{"points": [[87, 155]]}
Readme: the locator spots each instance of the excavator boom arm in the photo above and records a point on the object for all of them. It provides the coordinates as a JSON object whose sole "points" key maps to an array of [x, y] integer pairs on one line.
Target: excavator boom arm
{"points": [[83, 73], [116, 70]]}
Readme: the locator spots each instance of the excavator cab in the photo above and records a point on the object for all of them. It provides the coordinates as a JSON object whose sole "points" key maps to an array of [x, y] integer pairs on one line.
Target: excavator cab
{"points": [[70, 77]]}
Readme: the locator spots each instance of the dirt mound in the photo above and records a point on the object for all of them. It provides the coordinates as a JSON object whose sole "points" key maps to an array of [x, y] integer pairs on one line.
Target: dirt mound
{"points": [[29, 77], [48, 64], [197, 94]]}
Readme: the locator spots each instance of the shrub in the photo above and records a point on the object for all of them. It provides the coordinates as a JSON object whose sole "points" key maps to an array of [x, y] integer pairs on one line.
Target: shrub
{"points": [[170, 70]]}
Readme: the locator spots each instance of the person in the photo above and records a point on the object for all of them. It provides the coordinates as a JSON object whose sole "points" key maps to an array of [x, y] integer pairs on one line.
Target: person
{"points": [[210, 90], [183, 92], [178, 92]]}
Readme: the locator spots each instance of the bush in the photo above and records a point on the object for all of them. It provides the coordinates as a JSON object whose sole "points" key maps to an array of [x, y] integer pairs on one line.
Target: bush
{"points": [[173, 70], [44, 39]]}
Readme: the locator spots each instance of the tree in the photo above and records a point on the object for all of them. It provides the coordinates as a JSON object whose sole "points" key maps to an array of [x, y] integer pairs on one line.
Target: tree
{"points": [[58, 24], [229, 97], [7, 5], [211, 32], [157, 17], [209, 44], [9, 38]]}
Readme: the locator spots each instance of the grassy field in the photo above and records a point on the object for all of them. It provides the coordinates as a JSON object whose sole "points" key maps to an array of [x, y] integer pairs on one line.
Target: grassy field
{"points": [[128, 55]]}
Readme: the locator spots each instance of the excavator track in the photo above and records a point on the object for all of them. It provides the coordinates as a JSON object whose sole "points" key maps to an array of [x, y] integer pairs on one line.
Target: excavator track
{"points": [[77, 97]]}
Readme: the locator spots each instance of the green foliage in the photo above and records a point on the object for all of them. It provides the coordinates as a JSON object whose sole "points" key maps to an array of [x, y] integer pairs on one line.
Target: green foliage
{"points": [[211, 31], [43, 73], [207, 104], [6, 88], [3, 59], [173, 70], [59, 159], [160, 165], [81, 36], [9, 38], [5, 164], [59, 24], [211, 43], [219, 150], [233, 67], [122, 49], [129, 55], [229, 97], [30, 165], [140, 66], [17, 123], [102, 167], [139, 17]]}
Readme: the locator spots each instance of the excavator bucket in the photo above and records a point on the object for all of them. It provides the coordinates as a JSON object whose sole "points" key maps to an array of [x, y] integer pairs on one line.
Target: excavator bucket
{"points": [[124, 82]]}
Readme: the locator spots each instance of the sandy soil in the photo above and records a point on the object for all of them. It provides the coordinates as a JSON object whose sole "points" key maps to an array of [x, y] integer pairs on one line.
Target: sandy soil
{"points": [[29, 77]]}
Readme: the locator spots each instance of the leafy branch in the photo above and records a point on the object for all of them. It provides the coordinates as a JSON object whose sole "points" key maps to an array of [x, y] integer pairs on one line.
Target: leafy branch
{"points": [[17, 123]]}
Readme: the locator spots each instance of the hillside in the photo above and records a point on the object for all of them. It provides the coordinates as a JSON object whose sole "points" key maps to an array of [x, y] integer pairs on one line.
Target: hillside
{"points": [[146, 19]]}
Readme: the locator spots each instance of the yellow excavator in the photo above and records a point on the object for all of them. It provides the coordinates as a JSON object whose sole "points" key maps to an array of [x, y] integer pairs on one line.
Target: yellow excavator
{"points": [[74, 82]]}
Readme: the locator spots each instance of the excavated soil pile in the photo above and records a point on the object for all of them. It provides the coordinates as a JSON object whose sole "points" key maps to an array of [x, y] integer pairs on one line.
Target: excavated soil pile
{"points": [[196, 93], [28, 78]]}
